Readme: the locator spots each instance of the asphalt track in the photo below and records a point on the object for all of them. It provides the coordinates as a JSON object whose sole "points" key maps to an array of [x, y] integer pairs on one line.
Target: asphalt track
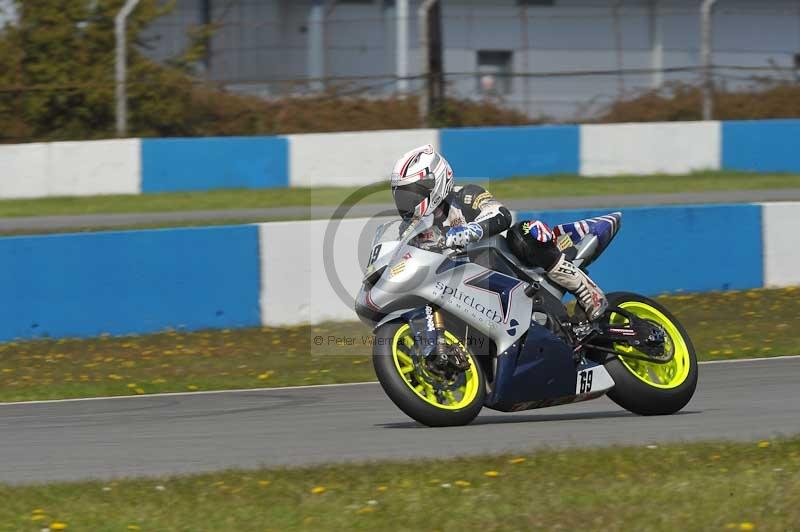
{"points": [[110, 221], [186, 433]]}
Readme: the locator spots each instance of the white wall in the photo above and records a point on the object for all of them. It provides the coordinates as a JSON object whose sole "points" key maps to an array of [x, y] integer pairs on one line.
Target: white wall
{"points": [[70, 168], [781, 233], [668, 148], [299, 279], [362, 158]]}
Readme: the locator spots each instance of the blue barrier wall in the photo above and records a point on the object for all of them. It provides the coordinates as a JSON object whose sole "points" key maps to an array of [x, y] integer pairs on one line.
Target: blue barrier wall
{"points": [[667, 249], [500, 152], [170, 165], [129, 282], [761, 145]]}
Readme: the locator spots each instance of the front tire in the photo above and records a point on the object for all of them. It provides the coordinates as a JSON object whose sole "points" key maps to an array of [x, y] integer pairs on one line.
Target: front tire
{"points": [[648, 388], [409, 387]]}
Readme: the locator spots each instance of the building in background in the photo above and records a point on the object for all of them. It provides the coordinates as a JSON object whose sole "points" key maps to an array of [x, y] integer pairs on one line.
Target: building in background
{"points": [[578, 55]]}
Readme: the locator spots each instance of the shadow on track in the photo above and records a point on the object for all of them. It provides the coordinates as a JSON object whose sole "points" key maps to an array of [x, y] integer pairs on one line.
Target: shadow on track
{"points": [[531, 418]]}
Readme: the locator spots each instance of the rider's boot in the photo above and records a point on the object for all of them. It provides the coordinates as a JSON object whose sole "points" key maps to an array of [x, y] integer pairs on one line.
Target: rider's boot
{"points": [[589, 296]]}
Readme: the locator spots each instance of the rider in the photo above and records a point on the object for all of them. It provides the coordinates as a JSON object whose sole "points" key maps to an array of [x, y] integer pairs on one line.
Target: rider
{"points": [[422, 183]]}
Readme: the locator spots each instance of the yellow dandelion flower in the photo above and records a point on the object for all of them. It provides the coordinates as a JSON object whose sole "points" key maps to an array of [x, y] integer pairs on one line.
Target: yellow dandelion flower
{"points": [[57, 525], [491, 474], [37, 511], [517, 460], [138, 390], [365, 510], [382, 488], [134, 527], [747, 526], [462, 483], [38, 517], [316, 490], [264, 483], [763, 444], [192, 387]]}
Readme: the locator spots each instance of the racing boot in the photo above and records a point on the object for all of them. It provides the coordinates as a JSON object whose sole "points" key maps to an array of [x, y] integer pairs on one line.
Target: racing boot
{"points": [[589, 296]]}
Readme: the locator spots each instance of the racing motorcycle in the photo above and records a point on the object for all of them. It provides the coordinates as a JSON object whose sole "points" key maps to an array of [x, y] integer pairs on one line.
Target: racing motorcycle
{"points": [[459, 329]]}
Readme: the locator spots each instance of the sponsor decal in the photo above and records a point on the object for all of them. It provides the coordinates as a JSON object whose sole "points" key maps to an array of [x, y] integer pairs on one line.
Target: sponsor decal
{"points": [[526, 228], [397, 269], [480, 199], [468, 300], [467, 199], [564, 242], [429, 318]]}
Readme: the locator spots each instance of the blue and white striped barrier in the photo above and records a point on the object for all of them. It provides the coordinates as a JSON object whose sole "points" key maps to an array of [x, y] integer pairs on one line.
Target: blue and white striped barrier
{"points": [[133, 166], [130, 282]]}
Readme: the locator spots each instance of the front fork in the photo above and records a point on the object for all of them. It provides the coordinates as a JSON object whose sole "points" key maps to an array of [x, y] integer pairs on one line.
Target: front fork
{"points": [[428, 327]]}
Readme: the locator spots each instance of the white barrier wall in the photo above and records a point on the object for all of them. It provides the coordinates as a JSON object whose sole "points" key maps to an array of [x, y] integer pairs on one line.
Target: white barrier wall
{"points": [[781, 230], [666, 148], [70, 168], [302, 281], [352, 159]]}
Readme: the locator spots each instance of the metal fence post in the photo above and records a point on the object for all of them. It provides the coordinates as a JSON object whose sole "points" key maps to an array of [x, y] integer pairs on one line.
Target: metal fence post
{"points": [[706, 52], [121, 67]]}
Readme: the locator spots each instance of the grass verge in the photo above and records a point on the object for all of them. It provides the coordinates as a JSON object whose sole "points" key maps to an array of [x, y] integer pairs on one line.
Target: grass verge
{"points": [[705, 486], [517, 188], [723, 325]]}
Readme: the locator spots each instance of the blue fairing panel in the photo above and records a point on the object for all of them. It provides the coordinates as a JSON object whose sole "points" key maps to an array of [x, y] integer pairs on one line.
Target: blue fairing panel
{"points": [[541, 370]]}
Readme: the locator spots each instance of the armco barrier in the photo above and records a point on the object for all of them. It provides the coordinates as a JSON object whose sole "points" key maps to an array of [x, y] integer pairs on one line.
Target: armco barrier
{"points": [[497, 152], [129, 282], [298, 272]]}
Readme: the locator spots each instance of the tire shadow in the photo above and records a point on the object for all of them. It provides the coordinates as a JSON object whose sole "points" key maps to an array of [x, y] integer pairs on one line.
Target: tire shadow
{"points": [[501, 419]]}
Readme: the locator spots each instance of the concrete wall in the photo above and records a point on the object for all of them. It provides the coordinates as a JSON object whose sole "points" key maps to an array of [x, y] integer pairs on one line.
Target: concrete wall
{"points": [[361, 158], [70, 168], [671, 148], [133, 166], [284, 273]]}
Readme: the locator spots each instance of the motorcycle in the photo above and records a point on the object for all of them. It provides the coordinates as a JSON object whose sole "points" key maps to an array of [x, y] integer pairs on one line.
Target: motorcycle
{"points": [[457, 330]]}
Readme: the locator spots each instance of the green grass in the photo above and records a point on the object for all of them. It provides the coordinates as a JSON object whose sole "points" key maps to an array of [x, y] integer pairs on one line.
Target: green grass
{"points": [[724, 325], [517, 188], [704, 486]]}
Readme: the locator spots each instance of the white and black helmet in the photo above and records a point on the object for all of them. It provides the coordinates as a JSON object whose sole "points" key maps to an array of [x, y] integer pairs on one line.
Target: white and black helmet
{"points": [[420, 181]]}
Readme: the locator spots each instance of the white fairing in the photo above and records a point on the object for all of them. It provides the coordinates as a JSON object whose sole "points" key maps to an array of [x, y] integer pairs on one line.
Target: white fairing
{"points": [[488, 301], [592, 380]]}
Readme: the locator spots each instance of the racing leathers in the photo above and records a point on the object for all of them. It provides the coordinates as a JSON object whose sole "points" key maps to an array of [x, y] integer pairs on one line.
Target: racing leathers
{"points": [[471, 213]]}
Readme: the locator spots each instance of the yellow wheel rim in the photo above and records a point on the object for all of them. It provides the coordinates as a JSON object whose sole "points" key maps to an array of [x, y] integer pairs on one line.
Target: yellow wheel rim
{"points": [[458, 395], [665, 376]]}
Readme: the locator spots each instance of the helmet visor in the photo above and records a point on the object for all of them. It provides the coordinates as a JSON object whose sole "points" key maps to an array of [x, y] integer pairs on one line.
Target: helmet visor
{"points": [[408, 197]]}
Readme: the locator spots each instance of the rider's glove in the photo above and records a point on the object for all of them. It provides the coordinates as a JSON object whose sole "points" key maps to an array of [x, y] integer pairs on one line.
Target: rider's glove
{"points": [[458, 237]]}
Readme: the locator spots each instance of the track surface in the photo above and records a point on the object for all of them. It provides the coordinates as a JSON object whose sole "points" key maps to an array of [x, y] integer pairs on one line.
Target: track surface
{"points": [[109, 221], [144, 435]]}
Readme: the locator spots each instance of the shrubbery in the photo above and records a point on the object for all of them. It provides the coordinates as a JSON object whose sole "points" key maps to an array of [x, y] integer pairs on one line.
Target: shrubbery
{"points": [[57, 83]]}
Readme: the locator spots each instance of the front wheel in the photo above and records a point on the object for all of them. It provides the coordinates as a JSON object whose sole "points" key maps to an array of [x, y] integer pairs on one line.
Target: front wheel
{"points": [[425, 396], [650, 388]]}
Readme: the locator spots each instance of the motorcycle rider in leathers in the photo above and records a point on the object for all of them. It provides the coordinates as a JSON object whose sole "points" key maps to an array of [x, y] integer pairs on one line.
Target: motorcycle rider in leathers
{"points": [[423, 183]]}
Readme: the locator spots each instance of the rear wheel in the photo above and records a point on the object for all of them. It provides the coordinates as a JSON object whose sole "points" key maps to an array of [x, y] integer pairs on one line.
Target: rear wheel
{"points": [[426, 396], [650, 388]]}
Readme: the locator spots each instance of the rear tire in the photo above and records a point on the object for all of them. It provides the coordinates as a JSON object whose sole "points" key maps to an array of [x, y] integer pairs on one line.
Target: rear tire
{"points": [[390, 360], [648, 388]]}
